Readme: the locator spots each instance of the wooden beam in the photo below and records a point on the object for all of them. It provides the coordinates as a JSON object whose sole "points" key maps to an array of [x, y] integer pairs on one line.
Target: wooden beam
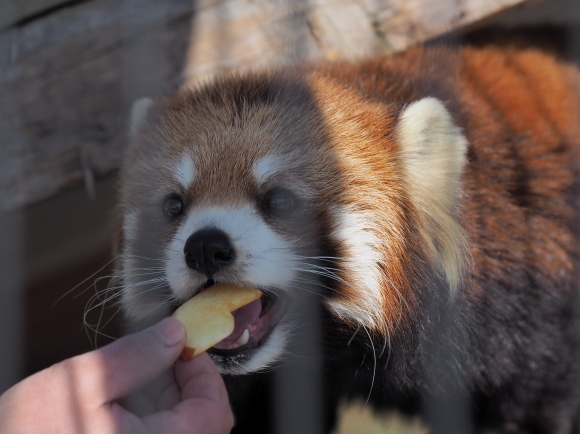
{"points": [[20, 10], [237, 34], [67, 84], [68, 79]]}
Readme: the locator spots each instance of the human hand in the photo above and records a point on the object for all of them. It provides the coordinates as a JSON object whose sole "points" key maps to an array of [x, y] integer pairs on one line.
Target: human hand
{"points": [[81, 394]]}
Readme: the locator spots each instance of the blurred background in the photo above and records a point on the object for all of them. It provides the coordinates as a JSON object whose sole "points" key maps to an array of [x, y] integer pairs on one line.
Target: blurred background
{"points": [[69, 72]]}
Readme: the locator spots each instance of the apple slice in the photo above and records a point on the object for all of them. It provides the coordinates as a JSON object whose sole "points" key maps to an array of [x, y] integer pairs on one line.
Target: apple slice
{"points": [[208, 318]]}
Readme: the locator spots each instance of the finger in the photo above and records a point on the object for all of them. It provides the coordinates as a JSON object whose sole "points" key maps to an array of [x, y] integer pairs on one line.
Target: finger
{"points": [[205, 403], [204, 407], [161, 394], [134, 360], [199, 378], [192, 416]]}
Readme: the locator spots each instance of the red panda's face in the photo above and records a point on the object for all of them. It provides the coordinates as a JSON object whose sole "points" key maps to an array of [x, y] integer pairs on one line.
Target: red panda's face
{"points": [[279, 186], [215, 193]]}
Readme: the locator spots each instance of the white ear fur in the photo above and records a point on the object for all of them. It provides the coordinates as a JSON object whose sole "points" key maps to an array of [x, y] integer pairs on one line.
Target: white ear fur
{"points": [[433, 148], [433, 152], [139, 114]]}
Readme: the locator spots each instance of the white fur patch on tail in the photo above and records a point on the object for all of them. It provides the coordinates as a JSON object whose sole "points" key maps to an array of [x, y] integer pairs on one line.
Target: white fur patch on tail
{"points": [[433, 151]]}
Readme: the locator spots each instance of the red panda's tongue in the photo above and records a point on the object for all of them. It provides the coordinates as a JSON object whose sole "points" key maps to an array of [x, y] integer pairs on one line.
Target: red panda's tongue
{"points": [[244, 317]]}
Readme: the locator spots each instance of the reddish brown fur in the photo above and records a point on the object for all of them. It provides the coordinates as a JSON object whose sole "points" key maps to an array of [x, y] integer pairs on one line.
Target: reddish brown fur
{"points": [[523, 213], [359, 132], [524, 98], [488, 92], [509, 339]]}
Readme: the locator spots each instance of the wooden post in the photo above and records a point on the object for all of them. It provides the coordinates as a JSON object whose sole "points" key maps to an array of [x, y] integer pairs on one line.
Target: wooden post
{"points": [[68, 77]]}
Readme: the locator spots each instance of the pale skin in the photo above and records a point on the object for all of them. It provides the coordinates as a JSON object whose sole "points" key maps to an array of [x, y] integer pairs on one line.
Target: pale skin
{"points": [[83, 394]]}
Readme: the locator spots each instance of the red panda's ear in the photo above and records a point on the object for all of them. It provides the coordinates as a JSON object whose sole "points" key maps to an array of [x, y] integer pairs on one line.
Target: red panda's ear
{"points": [[433, 155], [433, 150], [139, 114]]}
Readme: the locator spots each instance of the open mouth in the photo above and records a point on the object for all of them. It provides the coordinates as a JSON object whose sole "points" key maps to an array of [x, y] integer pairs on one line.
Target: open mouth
{"points": [[253, 323]]}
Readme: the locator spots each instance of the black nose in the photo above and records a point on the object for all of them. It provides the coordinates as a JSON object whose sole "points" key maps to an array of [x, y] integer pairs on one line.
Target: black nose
{"points": [[208, 250]]}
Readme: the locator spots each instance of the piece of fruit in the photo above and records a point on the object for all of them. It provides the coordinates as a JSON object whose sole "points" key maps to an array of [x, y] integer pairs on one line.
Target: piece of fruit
{"points": [[208, 318]]}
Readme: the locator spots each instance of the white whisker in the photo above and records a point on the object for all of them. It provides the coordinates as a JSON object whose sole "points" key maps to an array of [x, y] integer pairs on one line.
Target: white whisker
{"points": [[353, 335], [84, 281], [374, 364], [111, 295]]}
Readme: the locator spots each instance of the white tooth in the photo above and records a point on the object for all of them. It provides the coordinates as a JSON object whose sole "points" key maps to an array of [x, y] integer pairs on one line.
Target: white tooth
{"points": [[243, 339]]}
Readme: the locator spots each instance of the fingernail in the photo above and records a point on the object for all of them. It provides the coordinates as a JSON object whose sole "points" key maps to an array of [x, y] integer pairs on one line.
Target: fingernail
{"points": [[172, 331]]}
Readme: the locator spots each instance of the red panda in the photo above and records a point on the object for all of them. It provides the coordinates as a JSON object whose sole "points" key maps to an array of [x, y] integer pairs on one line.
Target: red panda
{"points": [[430, 199]]}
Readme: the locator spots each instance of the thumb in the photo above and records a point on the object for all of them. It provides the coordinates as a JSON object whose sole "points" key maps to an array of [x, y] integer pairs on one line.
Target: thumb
{"points": [[134, 360]]}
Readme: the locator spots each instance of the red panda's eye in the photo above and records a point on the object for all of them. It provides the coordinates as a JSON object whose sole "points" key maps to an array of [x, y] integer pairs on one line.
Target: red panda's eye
{"points": [[280, 202], [173, 205]]}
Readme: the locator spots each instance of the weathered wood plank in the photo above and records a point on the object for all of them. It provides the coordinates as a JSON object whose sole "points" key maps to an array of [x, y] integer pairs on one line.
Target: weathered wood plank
{"points": [[237, 34], [14, 11], [67, 81]]}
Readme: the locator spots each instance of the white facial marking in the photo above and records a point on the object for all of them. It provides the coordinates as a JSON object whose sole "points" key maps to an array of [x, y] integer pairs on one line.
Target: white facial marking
{"points": [[268, 166], [263, 258], [130, 227], [362, 257], [185, 171], [272, 164]]}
